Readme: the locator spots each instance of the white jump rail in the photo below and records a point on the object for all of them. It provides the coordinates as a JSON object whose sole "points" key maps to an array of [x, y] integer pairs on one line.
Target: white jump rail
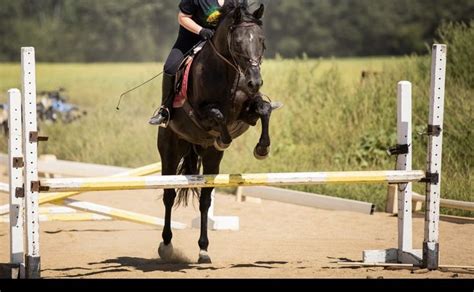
{"points": [[4, 188], [228, 180]]}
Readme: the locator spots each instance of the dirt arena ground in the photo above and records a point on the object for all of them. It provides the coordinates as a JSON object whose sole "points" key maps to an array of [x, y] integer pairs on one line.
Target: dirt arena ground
{"points": [[275, 241]]}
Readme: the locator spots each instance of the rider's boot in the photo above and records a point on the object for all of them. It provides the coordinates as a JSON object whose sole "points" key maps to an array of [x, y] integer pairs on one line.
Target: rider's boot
{"points": [[163, 116]]}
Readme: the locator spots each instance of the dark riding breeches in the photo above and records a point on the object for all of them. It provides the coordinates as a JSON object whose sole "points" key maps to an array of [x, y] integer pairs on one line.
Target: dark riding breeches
{"points": [[184, 43]]}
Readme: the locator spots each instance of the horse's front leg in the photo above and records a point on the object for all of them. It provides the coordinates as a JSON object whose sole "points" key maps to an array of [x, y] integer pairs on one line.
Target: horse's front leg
{"points": [[264, 110], [204, 205], [165, 249], [224, 140]]}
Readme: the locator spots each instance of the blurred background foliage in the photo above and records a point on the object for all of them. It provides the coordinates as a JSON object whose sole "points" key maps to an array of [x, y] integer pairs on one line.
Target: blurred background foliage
{"points": [[144, 30]]}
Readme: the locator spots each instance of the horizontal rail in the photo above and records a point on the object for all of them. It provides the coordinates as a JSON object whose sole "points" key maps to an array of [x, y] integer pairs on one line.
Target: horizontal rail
{"points": [[62, 217], [4, 188], [226, 180], [446, 203]]}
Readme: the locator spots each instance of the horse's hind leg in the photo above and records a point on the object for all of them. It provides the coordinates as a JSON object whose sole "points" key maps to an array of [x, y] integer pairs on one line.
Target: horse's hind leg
{"points": [[211, 159], [171, 151]]}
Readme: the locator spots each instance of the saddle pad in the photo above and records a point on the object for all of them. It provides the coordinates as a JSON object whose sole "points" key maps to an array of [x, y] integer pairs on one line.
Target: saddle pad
{"points": [[182, 94]]}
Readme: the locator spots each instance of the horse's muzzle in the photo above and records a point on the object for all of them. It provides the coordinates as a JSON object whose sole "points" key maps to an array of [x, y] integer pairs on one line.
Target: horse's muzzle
{"points": [[254, 85]]}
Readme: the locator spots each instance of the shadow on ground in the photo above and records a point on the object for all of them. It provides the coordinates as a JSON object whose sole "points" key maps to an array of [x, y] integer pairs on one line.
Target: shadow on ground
{"points": [[127, 264]]}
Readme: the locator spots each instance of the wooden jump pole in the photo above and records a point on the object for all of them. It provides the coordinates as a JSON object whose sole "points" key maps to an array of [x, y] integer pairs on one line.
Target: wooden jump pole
{"points": [[53, 197], [4, 188], [226, 180]]}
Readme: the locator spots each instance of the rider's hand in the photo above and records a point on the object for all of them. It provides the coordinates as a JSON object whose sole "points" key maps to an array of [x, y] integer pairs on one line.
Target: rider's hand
{"points": [[206, 33]]}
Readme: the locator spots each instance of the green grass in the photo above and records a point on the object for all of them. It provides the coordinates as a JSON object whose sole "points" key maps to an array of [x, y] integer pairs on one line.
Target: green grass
{"points": [[331, 120]]}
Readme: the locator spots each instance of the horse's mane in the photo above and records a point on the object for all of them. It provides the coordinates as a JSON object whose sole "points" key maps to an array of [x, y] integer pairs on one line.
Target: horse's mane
{"points": [[230, 6]]}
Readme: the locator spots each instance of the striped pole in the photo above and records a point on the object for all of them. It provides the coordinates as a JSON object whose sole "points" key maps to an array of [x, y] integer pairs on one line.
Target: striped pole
{"points": [[226, 180], [52, 197], [120, 214]]}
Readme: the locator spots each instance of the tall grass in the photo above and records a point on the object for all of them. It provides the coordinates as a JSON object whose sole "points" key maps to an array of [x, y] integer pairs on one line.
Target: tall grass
{"points": [[331, 119]]}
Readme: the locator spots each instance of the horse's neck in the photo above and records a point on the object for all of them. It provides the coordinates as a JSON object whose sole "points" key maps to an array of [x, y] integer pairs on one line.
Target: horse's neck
{"points": [[216, 65]]}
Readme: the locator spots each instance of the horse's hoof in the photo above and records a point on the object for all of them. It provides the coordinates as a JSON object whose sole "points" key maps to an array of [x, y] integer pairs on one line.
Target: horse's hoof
{"points": [[261, 155], [165, 251], [204, 258], [220, 146]]}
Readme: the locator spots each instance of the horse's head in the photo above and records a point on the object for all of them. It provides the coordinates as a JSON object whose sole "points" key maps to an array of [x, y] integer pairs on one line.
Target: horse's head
{"points": [[244, 40]]}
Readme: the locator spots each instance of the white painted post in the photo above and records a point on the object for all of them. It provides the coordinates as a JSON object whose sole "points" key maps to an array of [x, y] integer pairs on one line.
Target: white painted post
{"points": [[30, 154], [405, 252], [210, 212], [404, 162], [17, 249], [435, 143], [217, 222]]}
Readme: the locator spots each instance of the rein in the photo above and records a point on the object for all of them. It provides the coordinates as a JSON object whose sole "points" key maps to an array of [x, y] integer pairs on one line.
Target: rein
{"points": [[234, 64]]}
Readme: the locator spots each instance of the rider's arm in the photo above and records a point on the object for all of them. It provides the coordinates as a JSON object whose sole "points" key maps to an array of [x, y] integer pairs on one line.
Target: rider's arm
{"points": [[187, 22]]}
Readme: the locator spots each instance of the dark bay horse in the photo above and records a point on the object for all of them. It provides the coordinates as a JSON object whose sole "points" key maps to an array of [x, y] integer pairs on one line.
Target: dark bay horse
{"points": [[223, 102]]}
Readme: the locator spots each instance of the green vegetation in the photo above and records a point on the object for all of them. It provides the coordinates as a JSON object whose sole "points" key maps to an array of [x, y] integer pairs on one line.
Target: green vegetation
{"points": [[332, 120], [144, 30]]}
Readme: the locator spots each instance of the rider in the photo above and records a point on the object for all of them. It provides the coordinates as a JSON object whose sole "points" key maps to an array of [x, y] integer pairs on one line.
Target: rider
{"points": [[198, 20]]}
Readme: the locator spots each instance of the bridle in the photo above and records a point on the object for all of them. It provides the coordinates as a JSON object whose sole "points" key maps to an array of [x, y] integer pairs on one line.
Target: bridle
{"points": [[253, 63], [234, 64]]}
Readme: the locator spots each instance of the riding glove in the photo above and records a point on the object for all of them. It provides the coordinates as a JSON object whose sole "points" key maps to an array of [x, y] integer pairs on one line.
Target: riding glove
{"points": [[206, 33]]}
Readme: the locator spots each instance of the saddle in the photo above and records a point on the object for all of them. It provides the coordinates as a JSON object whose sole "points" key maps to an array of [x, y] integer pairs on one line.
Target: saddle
{"points": [[182, 78]]}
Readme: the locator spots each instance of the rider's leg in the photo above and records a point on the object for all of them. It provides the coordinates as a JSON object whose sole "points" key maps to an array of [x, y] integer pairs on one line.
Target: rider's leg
{"points": [[163, 116]]}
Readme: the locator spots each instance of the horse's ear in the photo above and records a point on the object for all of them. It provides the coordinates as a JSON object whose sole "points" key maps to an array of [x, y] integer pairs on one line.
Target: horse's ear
{"points": [[258, 14]]}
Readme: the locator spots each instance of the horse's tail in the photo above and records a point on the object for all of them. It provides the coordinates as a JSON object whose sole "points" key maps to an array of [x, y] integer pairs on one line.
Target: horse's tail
{"points": [[190, 165]]}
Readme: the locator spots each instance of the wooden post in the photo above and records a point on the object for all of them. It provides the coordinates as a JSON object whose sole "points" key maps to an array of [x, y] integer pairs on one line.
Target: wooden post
{"points": [[404, 162], [435, 144], [16, 165], [30, 154], [400, 195], [391, 205]]}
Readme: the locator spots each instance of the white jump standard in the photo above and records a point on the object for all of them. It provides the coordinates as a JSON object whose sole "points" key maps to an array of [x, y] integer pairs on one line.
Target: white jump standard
{"points": [[403, 176]]}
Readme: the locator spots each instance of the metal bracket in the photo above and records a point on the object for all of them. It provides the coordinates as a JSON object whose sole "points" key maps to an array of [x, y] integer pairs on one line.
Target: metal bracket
{"points": [[19, 192], [400, 149], [35, 186], [18, 162], [431, 178], [434, 130], [35, 137]]}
